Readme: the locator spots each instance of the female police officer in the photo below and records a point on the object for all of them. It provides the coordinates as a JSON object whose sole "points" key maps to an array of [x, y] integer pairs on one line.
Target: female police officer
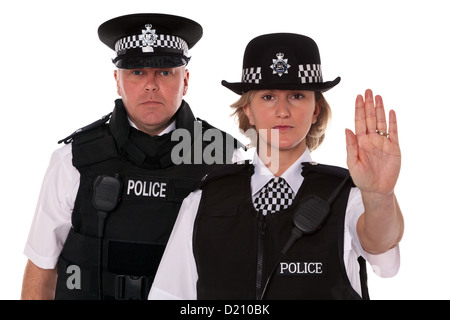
{"points": [[286, 227]]}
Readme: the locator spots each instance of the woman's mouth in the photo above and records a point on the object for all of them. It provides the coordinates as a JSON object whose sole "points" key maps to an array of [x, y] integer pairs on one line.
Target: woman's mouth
{"points": [[282, 128]]}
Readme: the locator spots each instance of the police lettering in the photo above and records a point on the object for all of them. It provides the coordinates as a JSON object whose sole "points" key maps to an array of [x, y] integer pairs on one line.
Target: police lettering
{"points": [[291, 268], [147, 188]]}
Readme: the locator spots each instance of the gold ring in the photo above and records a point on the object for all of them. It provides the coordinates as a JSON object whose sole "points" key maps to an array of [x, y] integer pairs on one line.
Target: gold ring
{"points": [[383, 133]]}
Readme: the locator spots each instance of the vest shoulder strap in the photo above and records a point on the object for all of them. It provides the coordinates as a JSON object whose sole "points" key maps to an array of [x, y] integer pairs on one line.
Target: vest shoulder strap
{"points": [[226, 170], [87, 128], [309, 168], [314, 167], [93, 146]]}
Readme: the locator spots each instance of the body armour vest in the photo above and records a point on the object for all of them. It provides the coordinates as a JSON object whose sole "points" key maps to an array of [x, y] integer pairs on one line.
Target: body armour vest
{"points": [[122, 264], [238, 251]]}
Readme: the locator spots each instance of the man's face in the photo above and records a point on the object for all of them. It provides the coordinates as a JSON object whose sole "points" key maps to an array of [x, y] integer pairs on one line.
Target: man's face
{"points": [[152, 95]]}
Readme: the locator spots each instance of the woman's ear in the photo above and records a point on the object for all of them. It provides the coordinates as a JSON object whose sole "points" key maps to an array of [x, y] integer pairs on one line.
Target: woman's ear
{"points": [[316, 112], [248, 113]]}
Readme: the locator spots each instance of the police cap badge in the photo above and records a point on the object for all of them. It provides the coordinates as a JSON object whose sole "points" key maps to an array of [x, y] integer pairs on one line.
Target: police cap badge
{"points": [[150, 40]]}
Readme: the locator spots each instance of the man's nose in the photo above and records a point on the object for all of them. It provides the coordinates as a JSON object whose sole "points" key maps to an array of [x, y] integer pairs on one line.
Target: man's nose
{"points": [[150, 84]]}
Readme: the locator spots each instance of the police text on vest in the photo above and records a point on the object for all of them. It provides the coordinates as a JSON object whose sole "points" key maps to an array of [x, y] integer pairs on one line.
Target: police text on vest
{"points": [[147, 188], [298, 268]]}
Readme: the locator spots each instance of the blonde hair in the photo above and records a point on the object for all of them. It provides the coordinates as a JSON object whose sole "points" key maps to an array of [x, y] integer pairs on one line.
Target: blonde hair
{"points": [[316, 134]]}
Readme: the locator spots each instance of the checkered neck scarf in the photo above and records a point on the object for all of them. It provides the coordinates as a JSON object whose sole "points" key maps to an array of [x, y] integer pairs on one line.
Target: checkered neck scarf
{"points": [[274, 196]]}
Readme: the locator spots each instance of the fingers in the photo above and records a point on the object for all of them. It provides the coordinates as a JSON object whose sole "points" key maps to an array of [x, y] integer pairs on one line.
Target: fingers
{"points": [[370, 114], [380, 115], [360, 117], [352, 148], [393, 128]]}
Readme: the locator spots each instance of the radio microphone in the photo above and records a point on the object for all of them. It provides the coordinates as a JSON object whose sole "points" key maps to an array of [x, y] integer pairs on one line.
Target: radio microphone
{"points": [[107, 192], [310, 216], [307, 219]]}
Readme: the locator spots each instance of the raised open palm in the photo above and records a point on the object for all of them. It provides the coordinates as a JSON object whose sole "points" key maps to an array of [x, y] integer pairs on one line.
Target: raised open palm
{"points": [[373, 151]]}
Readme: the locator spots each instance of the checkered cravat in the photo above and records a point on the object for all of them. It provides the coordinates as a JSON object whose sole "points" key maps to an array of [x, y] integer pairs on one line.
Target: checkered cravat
{"points": [[274, 196]]}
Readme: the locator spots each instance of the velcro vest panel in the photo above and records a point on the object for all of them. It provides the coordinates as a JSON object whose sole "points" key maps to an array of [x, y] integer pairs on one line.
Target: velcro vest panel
{"points": [[236, 249]]}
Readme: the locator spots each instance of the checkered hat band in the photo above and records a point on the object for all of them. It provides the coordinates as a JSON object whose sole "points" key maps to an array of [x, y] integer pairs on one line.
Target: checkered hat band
{"points": [[162, 41], [251, 75], [307, 73], [276, 195], [310, 73]]}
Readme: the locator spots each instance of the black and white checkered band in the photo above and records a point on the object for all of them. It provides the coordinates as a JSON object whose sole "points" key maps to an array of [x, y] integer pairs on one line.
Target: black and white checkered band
{"points": [[310, 73], [276, 195], [307, 73], [162, 41], [251, 75]]}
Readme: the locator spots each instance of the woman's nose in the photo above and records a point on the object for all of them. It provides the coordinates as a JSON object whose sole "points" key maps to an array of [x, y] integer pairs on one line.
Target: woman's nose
{"points": [[283, 109]]}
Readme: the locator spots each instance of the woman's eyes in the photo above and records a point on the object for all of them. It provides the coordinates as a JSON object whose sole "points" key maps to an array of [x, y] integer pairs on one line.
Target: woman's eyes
{"points": [[297, 96], [269, 97]]}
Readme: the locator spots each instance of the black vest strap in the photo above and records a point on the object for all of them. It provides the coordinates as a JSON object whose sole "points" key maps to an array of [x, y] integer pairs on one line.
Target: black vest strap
{"points": [[93, 147], [87, 128]]}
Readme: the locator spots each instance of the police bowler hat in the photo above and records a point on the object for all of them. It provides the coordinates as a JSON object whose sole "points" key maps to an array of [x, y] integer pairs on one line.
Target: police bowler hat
{"points": [[150, 40], [281, 61]]}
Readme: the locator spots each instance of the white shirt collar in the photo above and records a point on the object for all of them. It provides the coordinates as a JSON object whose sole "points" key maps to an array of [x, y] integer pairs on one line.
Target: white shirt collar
{"points": [[292, 175], [170, 128]]}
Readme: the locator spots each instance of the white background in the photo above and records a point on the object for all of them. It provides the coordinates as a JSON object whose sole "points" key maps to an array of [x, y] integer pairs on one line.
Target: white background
{"points": [[56, 76]]}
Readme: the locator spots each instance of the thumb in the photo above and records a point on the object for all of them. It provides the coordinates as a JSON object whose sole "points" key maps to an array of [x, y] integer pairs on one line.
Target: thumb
{"points": [[352, 148]]}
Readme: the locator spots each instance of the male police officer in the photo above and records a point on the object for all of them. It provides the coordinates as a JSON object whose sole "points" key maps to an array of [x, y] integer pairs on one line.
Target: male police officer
{"points": [[112, 193]]}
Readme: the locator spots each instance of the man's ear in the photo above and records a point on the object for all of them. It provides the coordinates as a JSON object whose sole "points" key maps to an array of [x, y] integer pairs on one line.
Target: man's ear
{"points": [[186, 82], [117, 77]]}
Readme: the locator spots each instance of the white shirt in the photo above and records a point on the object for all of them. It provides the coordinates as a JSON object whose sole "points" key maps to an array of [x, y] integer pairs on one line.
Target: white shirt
{"points": [[177, 275], [52, 219]]}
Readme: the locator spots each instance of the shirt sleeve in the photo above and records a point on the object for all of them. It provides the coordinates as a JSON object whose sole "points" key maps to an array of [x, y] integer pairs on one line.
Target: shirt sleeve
{"points": [[52, 217], [176, 278], [384, 265]]}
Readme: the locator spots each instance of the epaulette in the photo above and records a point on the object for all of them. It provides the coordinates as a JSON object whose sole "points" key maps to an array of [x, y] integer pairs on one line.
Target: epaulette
{"points": [[314, 167], [87, 128], [226, 170]]}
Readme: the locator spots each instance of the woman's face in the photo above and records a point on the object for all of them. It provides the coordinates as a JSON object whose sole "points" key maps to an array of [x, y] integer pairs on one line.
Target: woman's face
{"points": [[287, 114]]}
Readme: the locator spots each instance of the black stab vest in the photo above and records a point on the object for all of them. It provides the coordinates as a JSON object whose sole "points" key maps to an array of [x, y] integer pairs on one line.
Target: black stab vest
{"points": [[136, 232], [236, 249]]}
